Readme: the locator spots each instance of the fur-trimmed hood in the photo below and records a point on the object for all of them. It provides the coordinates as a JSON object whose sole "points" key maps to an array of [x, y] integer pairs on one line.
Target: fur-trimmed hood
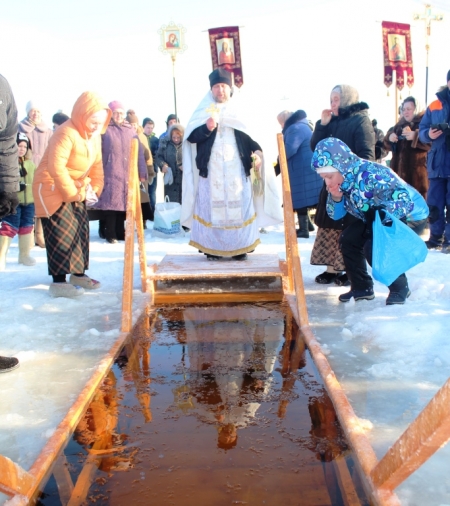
{"points": [[175, 126], [294, 118], [346, 112]]}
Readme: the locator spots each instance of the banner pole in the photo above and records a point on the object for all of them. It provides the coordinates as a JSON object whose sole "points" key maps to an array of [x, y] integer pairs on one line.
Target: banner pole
{"points": [[174, 85]]}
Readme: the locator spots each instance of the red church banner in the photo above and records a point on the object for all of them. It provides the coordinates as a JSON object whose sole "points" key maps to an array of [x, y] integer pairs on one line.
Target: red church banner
{"points": [[397, 54], [226, 51]]}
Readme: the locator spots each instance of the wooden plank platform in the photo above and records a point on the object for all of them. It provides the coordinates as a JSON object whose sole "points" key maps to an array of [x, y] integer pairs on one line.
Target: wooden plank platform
{"points": [[196, 266], [179, 279]]}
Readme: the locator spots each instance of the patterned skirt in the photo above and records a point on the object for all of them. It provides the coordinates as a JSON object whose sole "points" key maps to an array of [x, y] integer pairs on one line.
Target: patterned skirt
{"points": [[66, 235], [326, 250]]}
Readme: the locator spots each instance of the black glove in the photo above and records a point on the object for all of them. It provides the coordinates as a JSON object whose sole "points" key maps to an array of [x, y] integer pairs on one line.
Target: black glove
{"points": [[8, 203], [378, 149], [277, 168]]}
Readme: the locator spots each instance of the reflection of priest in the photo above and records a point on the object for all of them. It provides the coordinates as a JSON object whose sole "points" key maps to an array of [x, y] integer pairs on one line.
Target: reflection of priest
{"points": [[230, 365], [226, 55], [218, 204]]}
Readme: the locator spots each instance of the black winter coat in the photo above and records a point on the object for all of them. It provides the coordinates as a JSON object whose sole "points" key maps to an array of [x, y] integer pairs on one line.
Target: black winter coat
{"points": [[9, 160], [352, 126], [205, 140], [171, 153]]}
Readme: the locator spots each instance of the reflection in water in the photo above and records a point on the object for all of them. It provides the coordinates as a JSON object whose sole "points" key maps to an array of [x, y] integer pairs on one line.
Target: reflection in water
{"points": [[230, 365], [231, 412]]}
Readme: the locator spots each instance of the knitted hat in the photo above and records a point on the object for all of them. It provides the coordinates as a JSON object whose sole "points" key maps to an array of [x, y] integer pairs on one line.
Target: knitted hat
{"points": [[170, 117], [115, 104], [147, 120], [31, 105], [349, 95], [131, 116], [59, 118], [23, 138], [220, 76]]}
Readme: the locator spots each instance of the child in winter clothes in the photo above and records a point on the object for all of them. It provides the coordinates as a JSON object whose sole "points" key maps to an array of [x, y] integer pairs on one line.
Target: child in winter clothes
{"points": [[360, 187], [22, 222]]}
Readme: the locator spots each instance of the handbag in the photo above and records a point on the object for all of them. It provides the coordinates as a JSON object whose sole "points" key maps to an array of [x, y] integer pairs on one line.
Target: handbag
{"points": [[166, 222], [396, 249]]}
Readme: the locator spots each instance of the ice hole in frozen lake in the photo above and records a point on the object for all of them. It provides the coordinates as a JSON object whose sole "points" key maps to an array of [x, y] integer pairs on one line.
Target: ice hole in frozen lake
{"points": [[211, 405]]}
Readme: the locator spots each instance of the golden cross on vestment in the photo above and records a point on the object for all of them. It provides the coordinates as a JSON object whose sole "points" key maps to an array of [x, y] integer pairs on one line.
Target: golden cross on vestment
{"points": [[213, 109]]}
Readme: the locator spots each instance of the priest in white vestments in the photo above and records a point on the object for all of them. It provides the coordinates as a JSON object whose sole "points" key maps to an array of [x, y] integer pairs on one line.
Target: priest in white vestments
{"points": [[219, 205]]}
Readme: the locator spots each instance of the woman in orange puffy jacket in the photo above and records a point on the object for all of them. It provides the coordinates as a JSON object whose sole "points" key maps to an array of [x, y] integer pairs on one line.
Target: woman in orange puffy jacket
{"points": [[70, 173]]}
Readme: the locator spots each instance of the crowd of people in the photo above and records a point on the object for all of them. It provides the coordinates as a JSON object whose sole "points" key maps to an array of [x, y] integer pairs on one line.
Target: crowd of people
{"points": [[53, 182]]}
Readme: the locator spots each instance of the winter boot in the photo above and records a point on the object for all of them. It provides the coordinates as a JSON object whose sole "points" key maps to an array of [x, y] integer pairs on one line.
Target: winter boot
{"points": [[65, 290], [39, 233], [311, 227], [434, 242], [25, 245], [8, 364], [240, 257], [101, 229], [5, 241], [398, 291], [366, 294], [303, 231], [84, 281]]}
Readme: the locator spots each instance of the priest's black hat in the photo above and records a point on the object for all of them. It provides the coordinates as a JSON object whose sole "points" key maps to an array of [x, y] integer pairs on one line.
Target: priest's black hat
{"points": [[220, 76]]}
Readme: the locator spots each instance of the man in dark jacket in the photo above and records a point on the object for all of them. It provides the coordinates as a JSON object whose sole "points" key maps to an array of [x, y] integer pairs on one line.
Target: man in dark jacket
{"points": [[9, 172], [434, 128], [148, 125]]}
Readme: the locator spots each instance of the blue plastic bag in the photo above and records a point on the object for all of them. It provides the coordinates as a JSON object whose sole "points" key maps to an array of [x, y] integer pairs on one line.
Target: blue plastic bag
{"points": [[396, 249]]}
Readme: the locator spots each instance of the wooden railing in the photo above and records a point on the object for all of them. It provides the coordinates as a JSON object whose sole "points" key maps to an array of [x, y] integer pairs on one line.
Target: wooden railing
{"points": [[134, 221], [424, 436]]}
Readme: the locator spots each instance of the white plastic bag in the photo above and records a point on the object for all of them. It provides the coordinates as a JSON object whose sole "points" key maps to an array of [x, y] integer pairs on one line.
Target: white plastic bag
{"points": [[166, 223], [91, 196]]}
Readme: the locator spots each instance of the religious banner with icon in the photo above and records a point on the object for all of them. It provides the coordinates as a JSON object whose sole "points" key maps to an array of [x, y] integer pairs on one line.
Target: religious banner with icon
{"points": [[226, 51], [397, 54]]}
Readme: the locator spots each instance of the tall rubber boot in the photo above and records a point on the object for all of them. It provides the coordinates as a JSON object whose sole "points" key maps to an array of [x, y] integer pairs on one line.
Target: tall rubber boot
{"points": [[5, 241], [310, 224], [39, 233], [303, 232], [26, 242]]}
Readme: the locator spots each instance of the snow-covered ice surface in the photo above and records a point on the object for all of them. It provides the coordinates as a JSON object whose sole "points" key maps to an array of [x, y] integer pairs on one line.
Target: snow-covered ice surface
{"points": [[390, 359]]}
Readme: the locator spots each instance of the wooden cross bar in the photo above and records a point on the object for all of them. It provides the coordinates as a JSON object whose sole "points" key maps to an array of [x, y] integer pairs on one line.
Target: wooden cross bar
{"points": [[424, 436]]}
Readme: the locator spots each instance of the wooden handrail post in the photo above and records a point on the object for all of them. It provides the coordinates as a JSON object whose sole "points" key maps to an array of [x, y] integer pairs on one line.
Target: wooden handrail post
{"points": [[141, 241], [424, 436], [287, 220], [127, 294], [292, 255]]}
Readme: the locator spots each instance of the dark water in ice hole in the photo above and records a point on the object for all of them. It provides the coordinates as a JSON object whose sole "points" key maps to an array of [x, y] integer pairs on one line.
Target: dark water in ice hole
{"points": [[214, 405]]}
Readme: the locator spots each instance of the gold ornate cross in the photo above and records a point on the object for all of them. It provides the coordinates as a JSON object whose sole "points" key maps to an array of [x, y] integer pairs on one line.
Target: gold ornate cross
{"points": [[213, 109]]}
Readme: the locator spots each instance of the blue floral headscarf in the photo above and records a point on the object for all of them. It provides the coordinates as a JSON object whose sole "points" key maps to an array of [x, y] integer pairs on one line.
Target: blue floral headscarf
{"points": [[367, 184]]}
